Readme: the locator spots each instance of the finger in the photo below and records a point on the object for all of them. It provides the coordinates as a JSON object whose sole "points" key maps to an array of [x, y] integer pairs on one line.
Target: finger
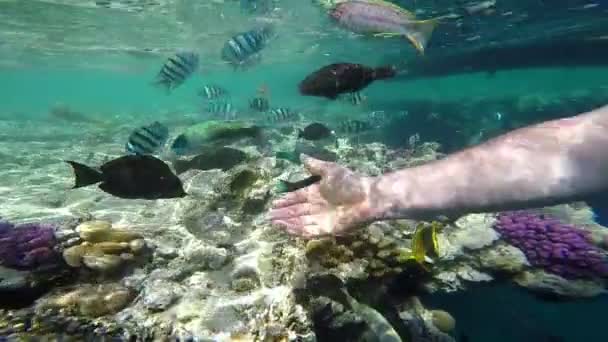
{"points": [[299, 196], [316, 166], [303, 209]]}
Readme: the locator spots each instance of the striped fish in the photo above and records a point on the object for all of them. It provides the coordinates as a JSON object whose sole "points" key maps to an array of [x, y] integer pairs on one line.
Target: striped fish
{"points": [[147, 139], [260, 104], [278, 115], [354, 126], [212, 92], [355, 98], [177, 69], [221, 109], [246, 46]]}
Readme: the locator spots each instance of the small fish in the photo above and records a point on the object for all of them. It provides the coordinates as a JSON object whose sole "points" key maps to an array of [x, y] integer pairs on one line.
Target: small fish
{"points": [[335, 79], [147, 139], [384, 19], [246, 46], [221, 109], [177, 69], [212, 92], [355, 98], [424, 243], [282, 114], [354, 126], [315, 131], [260, 104], [285, 186], [223, 158], [131, 176], [413, 140]]}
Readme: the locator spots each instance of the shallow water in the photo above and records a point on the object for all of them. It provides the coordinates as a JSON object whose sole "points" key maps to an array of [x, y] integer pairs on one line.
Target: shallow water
{"points": [[100, 62]]}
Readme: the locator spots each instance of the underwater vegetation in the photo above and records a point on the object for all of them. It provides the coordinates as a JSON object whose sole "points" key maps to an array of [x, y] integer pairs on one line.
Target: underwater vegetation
{"points": [[558, 248]]}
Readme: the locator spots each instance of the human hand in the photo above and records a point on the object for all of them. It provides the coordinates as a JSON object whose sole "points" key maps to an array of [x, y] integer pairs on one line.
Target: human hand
{"points": [[335, 205]]}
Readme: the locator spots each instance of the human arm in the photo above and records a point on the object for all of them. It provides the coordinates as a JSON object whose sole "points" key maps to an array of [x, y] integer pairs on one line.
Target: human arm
{"points": [[552, 162]]}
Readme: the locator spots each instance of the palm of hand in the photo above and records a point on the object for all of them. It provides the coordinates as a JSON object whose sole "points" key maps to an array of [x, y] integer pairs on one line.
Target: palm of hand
{"points": [[335, 205]]}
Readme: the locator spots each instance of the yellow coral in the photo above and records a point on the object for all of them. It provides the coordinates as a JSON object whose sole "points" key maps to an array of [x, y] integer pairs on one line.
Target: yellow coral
{"points": [[104, 249]]}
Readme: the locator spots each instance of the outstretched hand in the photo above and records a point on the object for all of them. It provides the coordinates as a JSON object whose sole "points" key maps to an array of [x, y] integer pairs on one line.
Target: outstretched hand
{"points": [[338, 203]]}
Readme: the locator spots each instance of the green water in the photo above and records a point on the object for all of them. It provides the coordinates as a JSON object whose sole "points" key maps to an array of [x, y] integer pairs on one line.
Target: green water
{"points": [[101, 62]]}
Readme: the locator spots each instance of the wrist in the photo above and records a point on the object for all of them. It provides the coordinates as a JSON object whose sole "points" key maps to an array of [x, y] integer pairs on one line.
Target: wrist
{"points": [[390, 196]]}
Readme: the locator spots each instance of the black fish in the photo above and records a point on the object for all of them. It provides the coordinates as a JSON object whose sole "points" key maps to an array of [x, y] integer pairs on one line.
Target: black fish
{"points": [[315, 131], [223, 158], [177, 69], [260, 104], [133, 176], [335, 79], [147, 139], [285, 186]]}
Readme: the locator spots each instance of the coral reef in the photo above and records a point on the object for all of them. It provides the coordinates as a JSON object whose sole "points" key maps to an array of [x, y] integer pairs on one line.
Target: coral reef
{"points": [[103, 248], [90, 300], [558, 248], [27, 246]]}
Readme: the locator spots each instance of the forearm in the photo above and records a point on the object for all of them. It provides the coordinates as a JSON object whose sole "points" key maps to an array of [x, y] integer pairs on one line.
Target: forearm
{"points": [[549, 163]]}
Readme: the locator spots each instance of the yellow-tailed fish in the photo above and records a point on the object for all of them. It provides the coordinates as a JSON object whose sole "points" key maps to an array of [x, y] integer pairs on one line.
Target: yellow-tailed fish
{"points": [[384, 19]]}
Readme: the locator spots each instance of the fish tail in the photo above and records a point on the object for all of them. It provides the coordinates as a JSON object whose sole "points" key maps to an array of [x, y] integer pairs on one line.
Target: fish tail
{"points": [[84, 175], [420, 33], [283, 186], [180, 166]]}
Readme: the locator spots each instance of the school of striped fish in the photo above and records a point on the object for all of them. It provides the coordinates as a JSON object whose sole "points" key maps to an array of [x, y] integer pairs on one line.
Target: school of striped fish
{"points": [[376, 18]]}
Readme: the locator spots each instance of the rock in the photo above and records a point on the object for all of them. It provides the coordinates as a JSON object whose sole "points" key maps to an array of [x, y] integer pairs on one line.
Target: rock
{"points": [[542, 282], [159, 295], [208, 257], [443, 320]]}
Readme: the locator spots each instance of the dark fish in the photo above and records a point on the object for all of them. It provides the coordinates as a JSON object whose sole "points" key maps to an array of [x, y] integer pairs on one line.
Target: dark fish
{"points": [[221, 109], [244, 46], [354, 126], [277, 115], [212, 92], [285, 186], [260, 104], [223, 158], [315, 131], [177, 69], [134, 176], [355, 98], [335, 79], [147, 139]]}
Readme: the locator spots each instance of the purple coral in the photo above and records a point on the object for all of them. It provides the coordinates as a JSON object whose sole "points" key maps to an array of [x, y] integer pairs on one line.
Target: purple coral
{"points": [[27, 246], [558, 248]]}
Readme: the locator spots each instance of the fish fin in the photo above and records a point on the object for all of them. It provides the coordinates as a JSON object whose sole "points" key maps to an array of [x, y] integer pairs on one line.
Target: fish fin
{"points": [[421, 33], [396, 7], [180, 166], [84, 175], [387, 34]]}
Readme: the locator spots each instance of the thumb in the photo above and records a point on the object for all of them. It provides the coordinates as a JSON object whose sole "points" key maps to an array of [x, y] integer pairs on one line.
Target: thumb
{"points": [[315, 166]]}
